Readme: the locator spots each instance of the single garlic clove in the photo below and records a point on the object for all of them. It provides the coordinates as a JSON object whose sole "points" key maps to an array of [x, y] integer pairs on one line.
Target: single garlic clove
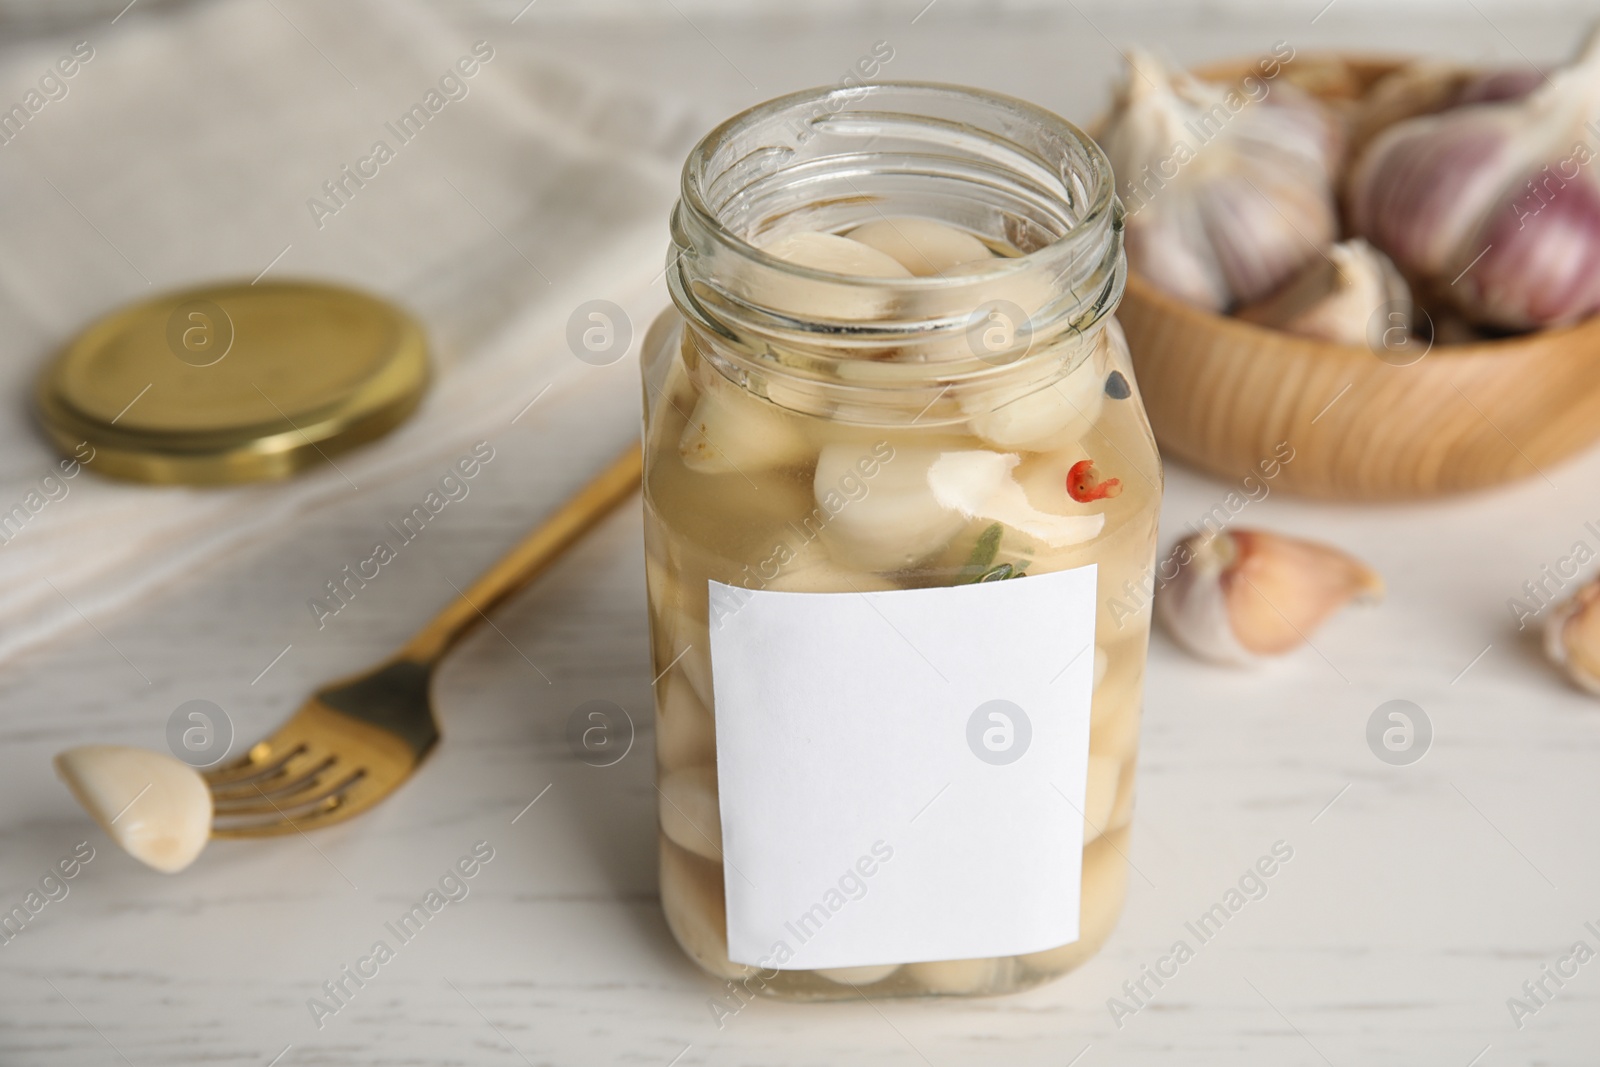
{"points": [[690, 815], [840, 294], [836, 255], [1351, 297], [921, 246], [979, 485], [1572, 637], [156, 807], [812, 570], [1226, 196], [730, 431], [898, 518], [1100, 794], [957, 976], [686, 734], [857, 975], [1105, 886], [1241, 595], [1046, 420], [692, 898]]}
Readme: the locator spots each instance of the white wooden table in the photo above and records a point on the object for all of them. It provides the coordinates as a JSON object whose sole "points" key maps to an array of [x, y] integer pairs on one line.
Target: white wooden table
{"points": [[1418, 900]]}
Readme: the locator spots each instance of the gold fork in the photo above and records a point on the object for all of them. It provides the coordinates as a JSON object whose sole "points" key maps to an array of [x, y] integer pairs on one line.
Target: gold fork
{"points": [[354, 741]]}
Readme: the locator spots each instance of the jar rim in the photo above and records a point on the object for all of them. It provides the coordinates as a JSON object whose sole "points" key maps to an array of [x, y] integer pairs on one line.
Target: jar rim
{"points": [[1102, 206], [1030, 184]]}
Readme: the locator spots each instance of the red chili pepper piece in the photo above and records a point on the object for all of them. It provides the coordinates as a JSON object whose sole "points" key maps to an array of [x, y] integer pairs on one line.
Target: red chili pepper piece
{"points": [[1083, 486]]}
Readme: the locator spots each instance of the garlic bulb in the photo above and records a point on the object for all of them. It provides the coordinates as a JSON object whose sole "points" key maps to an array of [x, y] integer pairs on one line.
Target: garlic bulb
{"points": [[1572, 637], [1241, 595], [1350, 298], [1428, 86], [1227, 196], [1421, 87], [156, 807], [1495, 206]]}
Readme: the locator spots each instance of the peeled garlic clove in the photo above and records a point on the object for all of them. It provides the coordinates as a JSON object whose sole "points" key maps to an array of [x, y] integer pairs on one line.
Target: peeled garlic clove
{"points": [[686, 734], [1349, 298], [844, 298], [1045, 420], [1246, 594], [857, 975], [1572, 637], [956, 976], [692, 898], [979, 485], [1100, 794], [897, 519], [812, 570], [836, 255], [690, 815], [156, 807], [1226, 197], [921, 246], [1494, 205], [730, 431], [1105, 887]]}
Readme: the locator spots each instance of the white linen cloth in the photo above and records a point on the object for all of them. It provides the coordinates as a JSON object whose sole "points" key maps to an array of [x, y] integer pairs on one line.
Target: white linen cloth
{"points": [[186, 150]]}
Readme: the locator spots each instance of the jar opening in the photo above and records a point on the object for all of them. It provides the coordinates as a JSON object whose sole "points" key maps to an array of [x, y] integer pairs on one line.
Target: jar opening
{"points": [[1028, 184]]}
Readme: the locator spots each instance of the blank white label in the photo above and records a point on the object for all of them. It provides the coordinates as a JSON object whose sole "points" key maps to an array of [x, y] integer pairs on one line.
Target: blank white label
{"points": [[902, 774]]}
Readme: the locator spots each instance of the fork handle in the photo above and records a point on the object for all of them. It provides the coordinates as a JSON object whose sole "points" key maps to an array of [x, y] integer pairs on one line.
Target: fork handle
{"points": [[528, 559]]}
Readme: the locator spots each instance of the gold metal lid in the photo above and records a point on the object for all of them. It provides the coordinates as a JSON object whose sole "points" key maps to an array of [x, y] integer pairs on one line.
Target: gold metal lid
{"points": [[234, 383]]}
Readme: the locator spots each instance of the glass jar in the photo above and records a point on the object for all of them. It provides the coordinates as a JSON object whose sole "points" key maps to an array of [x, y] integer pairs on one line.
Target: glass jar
{"points": [[855, 482]]}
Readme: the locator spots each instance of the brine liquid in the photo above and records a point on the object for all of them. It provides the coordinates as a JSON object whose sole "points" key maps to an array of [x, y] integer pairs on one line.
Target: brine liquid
{"points": [[748, 510]]}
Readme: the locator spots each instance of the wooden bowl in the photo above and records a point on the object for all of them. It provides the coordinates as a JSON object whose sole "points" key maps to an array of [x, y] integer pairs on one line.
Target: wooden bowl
{"points": [[1225, 395]]}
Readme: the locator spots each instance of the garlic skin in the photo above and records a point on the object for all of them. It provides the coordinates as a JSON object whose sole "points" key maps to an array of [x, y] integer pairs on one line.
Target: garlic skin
{"points": [[1339, 298], [1227, 198], [156, 807], [1494, 206], [1572, 637], [1245, 595], [1422, 87]]}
